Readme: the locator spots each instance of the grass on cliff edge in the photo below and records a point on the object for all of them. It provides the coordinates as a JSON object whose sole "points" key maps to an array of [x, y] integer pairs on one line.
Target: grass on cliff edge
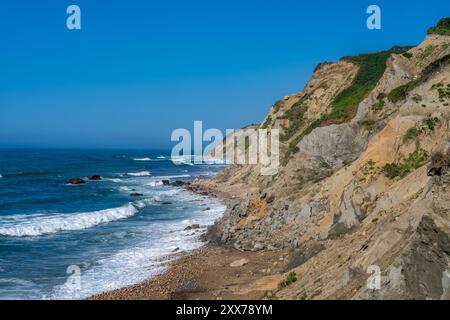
{"points": [[442, 28], [345, 105], [371, 68], [401, 92]]}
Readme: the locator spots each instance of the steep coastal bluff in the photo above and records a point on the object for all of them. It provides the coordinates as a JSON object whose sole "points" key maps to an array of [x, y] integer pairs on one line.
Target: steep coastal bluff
{"points": [[364, 178]]}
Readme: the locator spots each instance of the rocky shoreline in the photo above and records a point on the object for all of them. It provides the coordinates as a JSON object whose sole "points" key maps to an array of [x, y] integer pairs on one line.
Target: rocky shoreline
{"points": [[212, 272]]}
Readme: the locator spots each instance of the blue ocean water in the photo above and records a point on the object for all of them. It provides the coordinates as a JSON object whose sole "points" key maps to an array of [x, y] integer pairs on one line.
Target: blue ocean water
{"points": [[48, 228]]}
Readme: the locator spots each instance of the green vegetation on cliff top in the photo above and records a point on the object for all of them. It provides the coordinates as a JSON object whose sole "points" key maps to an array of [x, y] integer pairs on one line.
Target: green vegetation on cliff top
{"points": [[371, 68], [344, 106], [442, 28]]}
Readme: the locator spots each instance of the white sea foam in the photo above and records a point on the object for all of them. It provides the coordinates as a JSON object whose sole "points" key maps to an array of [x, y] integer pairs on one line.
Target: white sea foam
{"points": [[155, 183], [142, 159], [174, 176], [37, 225], [161, 157], [181, 161], [144, 259], [139, 174]]}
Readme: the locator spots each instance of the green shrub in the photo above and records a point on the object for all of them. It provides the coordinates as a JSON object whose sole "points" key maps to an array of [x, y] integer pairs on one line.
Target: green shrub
{"points": [[431, 123], [377, 106], [400, 92], [415, 160], [290, 278], [442, 28], [411, 133], [391, 170], [407, 55], [443, 91]]}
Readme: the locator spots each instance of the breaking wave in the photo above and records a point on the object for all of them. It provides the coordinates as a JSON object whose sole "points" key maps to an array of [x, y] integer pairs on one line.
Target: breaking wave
{"points": [[38, 225], [139, 174]]}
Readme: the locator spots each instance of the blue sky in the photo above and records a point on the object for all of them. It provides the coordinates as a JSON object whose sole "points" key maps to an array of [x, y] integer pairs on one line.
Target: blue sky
{"points": [[139, 69]]}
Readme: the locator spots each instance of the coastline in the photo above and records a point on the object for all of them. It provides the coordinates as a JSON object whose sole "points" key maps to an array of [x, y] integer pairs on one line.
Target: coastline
{"points": [[206, 273]]}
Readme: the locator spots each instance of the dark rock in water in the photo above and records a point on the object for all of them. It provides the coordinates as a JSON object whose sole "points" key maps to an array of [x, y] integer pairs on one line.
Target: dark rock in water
{"points": [[194, 226], [136, 194], [206, 209], [166, 202], [166, 182], [95, 177], [178, 183], [76, 181]]}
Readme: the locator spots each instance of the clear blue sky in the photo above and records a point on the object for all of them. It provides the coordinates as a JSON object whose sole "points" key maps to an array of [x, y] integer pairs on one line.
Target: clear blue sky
{"points": [[139, 69]]}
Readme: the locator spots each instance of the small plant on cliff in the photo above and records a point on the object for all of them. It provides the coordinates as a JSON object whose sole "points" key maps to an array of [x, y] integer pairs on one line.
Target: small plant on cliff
{"points": [[391, 170], [407, 55], [400, 92], [290, 278], [443, 91], [431, 123], [377, 106], [412, 133], [414, 161]]}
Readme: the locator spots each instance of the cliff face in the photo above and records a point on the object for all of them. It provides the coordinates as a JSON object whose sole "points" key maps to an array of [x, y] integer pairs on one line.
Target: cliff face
{"points": [[363, 182]]}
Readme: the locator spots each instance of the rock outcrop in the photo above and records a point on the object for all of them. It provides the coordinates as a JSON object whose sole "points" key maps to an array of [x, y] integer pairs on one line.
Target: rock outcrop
{"points": [[76, 181]]}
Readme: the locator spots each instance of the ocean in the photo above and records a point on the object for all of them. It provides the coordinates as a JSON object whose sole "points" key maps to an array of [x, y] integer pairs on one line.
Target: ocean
{"points": [[61, 241]]}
